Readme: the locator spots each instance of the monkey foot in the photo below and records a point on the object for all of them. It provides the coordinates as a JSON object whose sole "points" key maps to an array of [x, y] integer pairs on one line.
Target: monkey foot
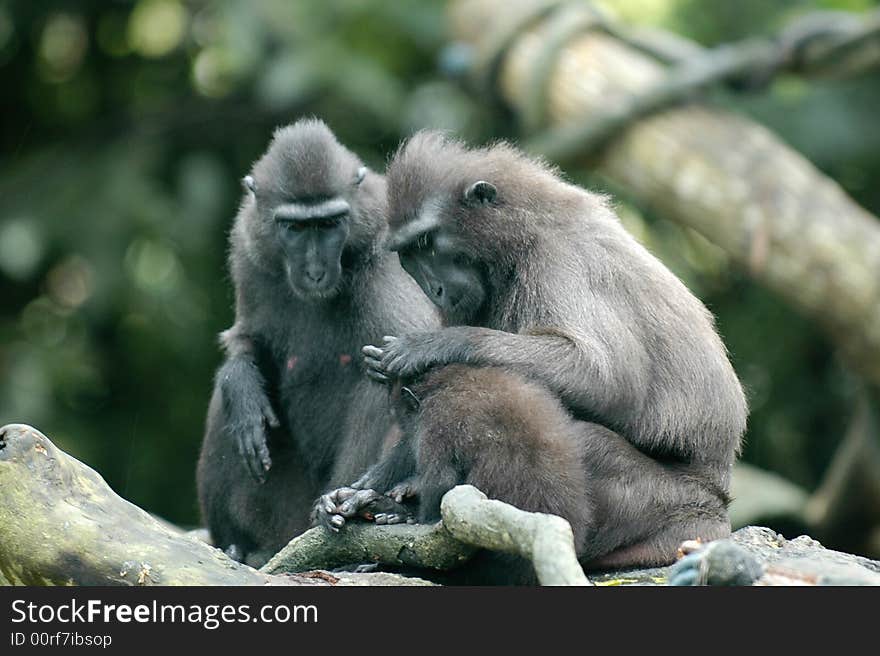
{"points": [[337, 506]]}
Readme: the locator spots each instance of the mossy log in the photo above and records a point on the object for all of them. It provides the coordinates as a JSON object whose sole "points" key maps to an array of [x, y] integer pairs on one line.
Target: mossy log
{"points": [[61, 524]]}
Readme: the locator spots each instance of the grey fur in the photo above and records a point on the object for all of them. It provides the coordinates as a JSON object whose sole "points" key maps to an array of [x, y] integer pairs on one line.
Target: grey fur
{"points": [[295, 356], [573, 302]]}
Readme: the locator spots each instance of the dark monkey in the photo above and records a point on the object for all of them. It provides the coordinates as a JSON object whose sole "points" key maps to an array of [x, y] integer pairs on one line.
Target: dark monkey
{"points": [[537, 279], [292, 413]]}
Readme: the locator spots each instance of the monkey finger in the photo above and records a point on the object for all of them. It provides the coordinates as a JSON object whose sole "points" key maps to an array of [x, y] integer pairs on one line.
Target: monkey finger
{"points": [[378, 377], [374, 365], [336, 522], [363, 482], [396, 518], [357, 501], [389, 338], [372, 351], [400, 492], [325, 504], [381, 518], [342, 493], [265, 458], [252, 460], [247, 453], [269, 415]]}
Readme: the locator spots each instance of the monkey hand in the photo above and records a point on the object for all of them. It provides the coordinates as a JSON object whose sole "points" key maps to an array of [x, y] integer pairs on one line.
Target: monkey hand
{"points": [[334, 508], [405, 489], [408, 356], [248, 423]]}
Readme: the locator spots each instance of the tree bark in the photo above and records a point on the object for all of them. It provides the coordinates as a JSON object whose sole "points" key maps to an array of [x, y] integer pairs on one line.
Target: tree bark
{"points": [[544, 539], [730, 179], [420, 545], [61, 524]]}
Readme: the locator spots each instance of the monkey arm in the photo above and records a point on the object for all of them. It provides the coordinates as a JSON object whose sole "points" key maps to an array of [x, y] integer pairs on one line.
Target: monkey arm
{"points": [[247, 410], [577, 368], [398, 464]]}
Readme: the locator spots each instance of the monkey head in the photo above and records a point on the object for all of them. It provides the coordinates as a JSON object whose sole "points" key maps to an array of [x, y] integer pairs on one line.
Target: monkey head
{"points": [[313, 200], [456, 220]]}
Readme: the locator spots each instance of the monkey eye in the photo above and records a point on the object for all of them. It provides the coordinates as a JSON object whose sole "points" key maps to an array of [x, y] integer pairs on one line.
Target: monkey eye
{"points": [[294, 226], [425, 241]]}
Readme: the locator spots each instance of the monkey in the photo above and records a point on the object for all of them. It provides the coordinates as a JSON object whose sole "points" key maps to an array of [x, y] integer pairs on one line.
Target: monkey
{"points": [[537, 278], [292, 413]]}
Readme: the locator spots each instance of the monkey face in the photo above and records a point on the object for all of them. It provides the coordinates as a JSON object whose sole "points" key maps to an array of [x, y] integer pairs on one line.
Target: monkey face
{"points": [[452, 282], [312, 238], [312, 233]]}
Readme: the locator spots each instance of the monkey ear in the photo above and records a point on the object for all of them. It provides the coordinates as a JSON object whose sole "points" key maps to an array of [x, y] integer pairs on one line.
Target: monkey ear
{"points": [[480, 193], [249, 183], [361, 174]]}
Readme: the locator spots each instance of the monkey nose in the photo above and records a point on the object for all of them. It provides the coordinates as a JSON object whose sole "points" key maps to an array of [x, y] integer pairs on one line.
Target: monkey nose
{"points": [[315, 275]]}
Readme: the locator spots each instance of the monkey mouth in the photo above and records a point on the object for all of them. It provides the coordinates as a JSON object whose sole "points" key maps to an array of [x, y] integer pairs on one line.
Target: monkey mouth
{"points": [[316, 294], [327, 289]]}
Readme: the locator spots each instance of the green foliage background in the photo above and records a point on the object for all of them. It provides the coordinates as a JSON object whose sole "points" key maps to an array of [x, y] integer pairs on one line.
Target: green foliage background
{"points": [[126, 127]]}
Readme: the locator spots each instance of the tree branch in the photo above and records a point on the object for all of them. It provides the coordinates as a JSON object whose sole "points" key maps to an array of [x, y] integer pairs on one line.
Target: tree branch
{"points": [[60, 524], [546, 540], [420, 545]]}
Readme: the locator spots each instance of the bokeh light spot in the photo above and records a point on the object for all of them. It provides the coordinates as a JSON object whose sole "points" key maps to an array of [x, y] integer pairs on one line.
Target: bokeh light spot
{"points": [[213, 72], [156, 27], [153, 266], [63, 45], [21, 248], [42, 323], [69, 283]]}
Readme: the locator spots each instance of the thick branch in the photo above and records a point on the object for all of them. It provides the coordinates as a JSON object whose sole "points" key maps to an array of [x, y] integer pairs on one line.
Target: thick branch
{"points": [[726, 177], [544, 539], [421, 545], [469, 521], [60, 524]]}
